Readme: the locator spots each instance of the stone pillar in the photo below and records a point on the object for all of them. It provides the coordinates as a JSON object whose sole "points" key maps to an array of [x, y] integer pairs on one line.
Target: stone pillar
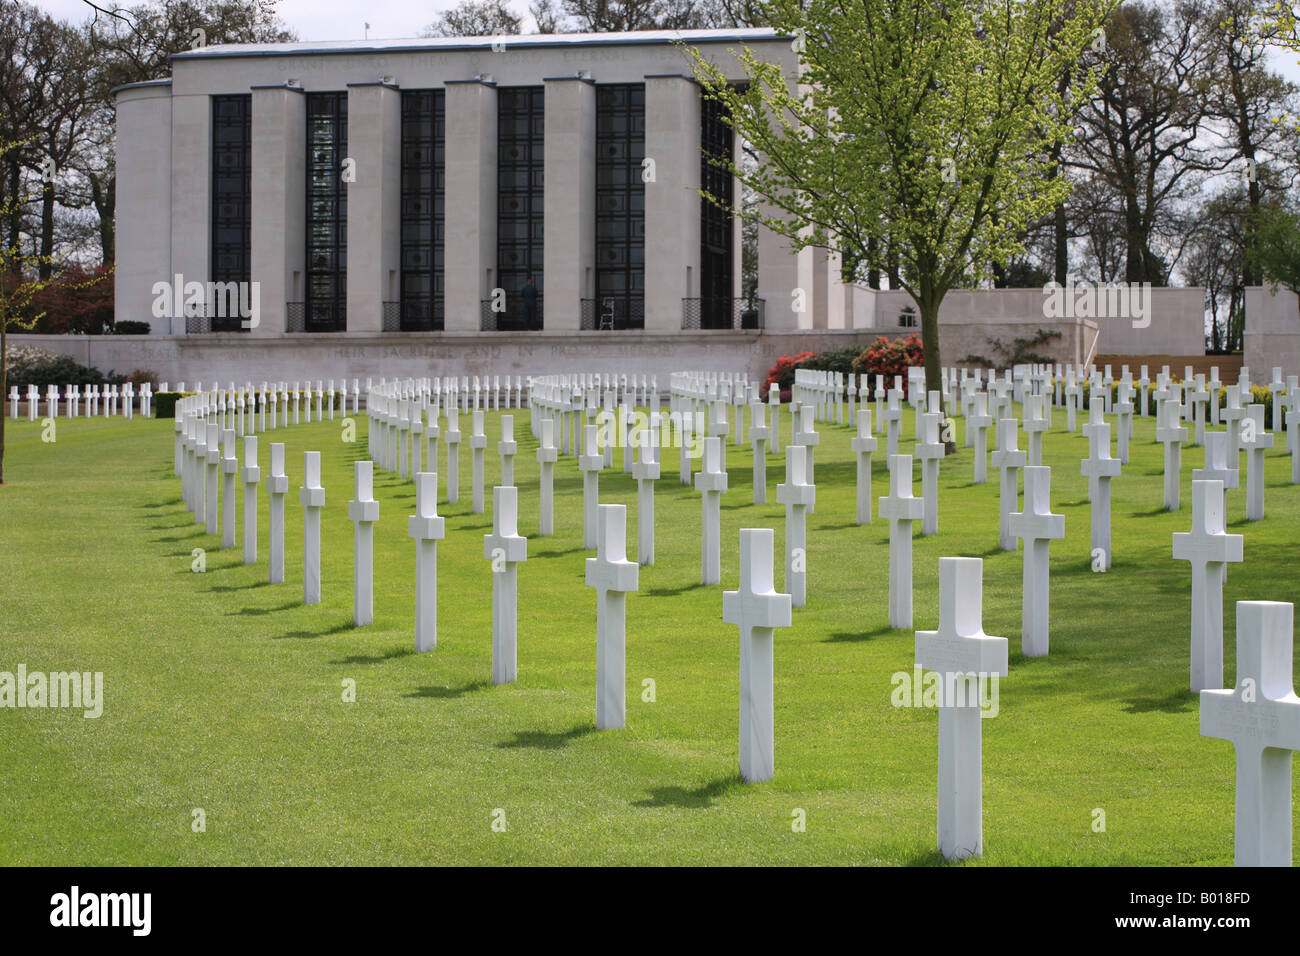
{"points": [[471, 214], [374, 202], [569, 251], [672, 214], [191, 192], [144, 160], [778, 277], [814, 273], [279, 238]]}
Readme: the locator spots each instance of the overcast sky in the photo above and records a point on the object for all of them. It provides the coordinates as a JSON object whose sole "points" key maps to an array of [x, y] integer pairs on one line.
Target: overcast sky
{"points": [[392, 19]]}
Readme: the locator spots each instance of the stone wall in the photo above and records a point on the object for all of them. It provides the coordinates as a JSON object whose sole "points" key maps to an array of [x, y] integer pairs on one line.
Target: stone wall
{"points": [[1272, 337]]}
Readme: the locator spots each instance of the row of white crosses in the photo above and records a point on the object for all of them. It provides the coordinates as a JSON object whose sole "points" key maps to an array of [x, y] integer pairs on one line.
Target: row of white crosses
{"points": [[76, 404]]}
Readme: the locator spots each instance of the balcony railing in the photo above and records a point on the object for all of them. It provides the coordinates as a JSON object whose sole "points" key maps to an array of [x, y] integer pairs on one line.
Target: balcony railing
{"points": [[413, 315], [613, 312], [326, 315], [210, 321], [513, 319], [722, 313]]}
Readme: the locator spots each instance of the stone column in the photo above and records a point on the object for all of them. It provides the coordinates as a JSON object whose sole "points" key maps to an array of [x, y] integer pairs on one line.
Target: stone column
{"points": [[191, 189], [144, 160], [778, 277], [279, 238], [672, 214], [471, 214], [374, 202], [569, 250]]}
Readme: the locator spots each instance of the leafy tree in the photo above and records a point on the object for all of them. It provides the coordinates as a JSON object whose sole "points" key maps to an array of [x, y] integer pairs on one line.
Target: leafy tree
{"points": [[915, 137], [1277, 247], [475, 18]]}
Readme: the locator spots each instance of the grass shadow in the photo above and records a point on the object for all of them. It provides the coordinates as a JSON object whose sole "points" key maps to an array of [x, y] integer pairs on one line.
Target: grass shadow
{"points": [[448, 693], [1177, 702], [701, 798], [377, 658], [546, 740], [250, 611], [842, 637], [229, 588], [673, 592], [336, 629]]}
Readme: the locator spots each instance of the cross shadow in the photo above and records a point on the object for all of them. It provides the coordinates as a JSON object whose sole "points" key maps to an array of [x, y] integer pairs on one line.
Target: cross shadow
{"points": [[251, 611], [701, 798], [448, 693], [840, 637], [546, 740], [672, 592], [336, 629], [1176, 702], [926, 858], [1154, 512], [228, 588], [376, 658], [557, 554]]}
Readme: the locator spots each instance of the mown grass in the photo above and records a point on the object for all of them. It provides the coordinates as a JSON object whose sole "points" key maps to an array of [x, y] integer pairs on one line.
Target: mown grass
{"points": [[225, 693]]}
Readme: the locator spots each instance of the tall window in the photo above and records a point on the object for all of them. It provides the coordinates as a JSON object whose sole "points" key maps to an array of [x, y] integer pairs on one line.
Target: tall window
{"points": [[520, 160], [423, 209], [232, 197], [620, 209], [716, 223], [327, 213]]}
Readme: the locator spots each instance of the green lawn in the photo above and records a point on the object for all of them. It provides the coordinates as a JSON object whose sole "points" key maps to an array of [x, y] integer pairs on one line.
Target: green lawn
{"points": [[224, 693]]}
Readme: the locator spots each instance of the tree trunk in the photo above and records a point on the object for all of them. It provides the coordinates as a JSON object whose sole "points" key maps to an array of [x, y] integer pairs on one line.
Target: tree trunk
{"points": [[929, 307], [45, 264], [1061, 230], [103, 195], [4, 389]]}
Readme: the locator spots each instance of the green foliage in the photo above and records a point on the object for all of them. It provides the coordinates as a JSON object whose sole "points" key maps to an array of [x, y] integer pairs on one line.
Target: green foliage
{"points": [[60, 370], [782, 374], [129, 327], [889, 357], [164, 403], [834, 360], [1019, 352], [1276, 253]]}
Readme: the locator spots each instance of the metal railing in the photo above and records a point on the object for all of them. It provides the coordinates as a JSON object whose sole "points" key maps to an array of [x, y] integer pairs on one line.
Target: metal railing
{"points": [[723, 313], [613, 312], [514, 318], [325, 316]]}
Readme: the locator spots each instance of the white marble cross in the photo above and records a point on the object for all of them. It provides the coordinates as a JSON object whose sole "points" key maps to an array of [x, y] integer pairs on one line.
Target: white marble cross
{"points": [[645, 471], [592, 462], [964, 656], [1231, 415], [1037, 527], [759, 433], [1261, 718], [1170, 431], [363, 512], [930, 452], [1124, 420], [1255, 441], [1198, 396], [506, 549], [212, 452], [1036, 425], [229, 472], [613, 576], [774, 418], [863, 447], [546, 458], [1208, 548], [478, 445], [312, 497], [507, 448], [1099, 468], [893, 419], [252, 478], [1216, 461], [806, 435], [901, 509], [1008, 460], [277, 488], [757, 609], [798, 495], [452, 439], [977, 424], [711, 483], [427, 528]]}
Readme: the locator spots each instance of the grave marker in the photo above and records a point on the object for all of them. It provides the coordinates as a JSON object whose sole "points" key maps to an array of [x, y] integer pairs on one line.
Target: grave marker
{"points": [[427, 528], [1037, 527], [363, 512], [1208, 548], [613, 576], [506, 549]]}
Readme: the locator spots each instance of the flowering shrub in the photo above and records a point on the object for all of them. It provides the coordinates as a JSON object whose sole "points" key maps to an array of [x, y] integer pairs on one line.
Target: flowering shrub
{"points": [[782, 374], [889, 358]]}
